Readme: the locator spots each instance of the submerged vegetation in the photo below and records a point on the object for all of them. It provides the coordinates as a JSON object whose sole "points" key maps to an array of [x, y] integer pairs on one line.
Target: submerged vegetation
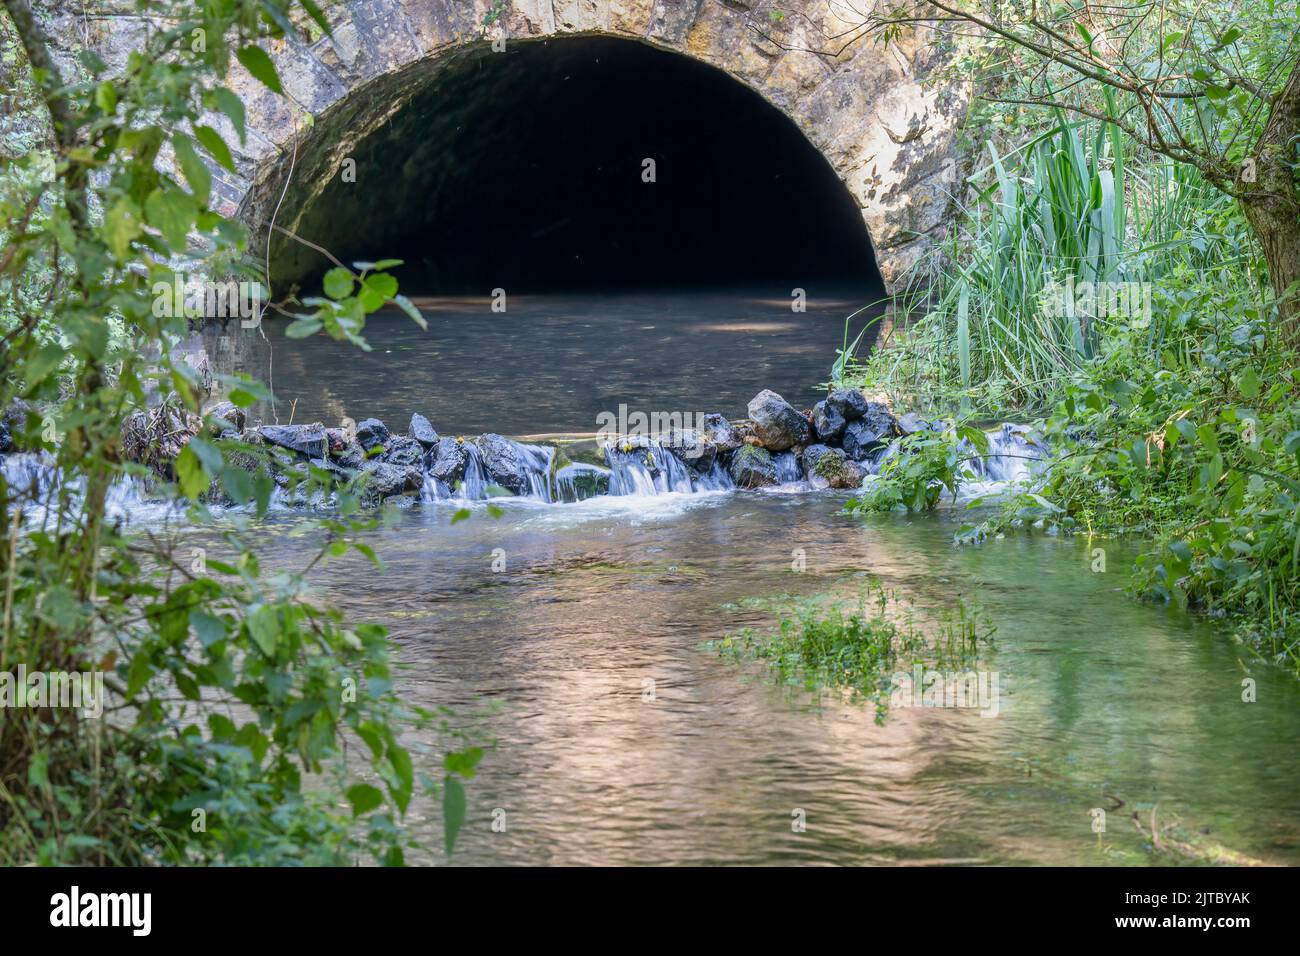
{"points": [[1121, 295], [824, 644]]}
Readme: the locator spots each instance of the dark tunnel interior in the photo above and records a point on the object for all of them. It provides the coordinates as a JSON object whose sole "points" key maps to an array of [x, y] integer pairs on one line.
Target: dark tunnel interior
{"points": [[525, 170]]}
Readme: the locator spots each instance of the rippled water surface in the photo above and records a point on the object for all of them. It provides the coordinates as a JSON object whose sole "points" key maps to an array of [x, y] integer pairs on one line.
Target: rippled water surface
{"points": [[552, 363], [1105, 702]]}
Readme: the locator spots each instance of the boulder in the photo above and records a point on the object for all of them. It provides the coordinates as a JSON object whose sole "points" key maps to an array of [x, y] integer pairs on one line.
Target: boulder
{"points": [[719, 431], [832, 466], [403, 452], [372, 432], [911, 423], [225, 416], [447, 461], [850, 402], [422, 431], [693, 448], [309, 440], [828, 421], [752, 467], [875, 428], [777, 423], [503, 462], [383, 480]]}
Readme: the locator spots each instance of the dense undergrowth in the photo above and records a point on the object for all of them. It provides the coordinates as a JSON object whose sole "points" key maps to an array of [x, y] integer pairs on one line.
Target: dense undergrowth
{"points": [[1170, 409]]}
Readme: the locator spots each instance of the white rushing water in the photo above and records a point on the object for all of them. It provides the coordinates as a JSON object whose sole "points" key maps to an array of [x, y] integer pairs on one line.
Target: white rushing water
{"points": [[635, 468]]}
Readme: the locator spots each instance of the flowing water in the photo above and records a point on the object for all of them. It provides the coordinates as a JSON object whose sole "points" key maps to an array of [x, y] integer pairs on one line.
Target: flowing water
{"points": [[570, 635], [551, 363], [1103, 699]]}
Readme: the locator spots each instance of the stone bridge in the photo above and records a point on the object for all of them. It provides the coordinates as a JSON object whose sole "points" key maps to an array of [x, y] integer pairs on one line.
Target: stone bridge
{"points": [[882, 118]]}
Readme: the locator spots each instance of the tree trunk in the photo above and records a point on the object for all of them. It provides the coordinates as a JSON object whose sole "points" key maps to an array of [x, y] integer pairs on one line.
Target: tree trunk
{"points": [[1272, 206]]}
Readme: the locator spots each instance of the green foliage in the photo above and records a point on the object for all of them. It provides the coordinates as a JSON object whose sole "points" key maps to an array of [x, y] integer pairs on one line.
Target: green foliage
{"points": [[1067, 210], [819, 644], [232, 698], [1196, 445], [926, 464]]}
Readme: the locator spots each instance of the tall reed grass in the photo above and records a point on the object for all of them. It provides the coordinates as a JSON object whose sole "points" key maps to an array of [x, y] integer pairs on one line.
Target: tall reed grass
{"points": [[1068, 207]]}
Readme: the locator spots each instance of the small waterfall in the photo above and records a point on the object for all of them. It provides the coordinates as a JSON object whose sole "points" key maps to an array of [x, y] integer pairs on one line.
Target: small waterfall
{"points": [[1011, 457], [537, 461], [34, 476], [473, 486], [579, 481], [788, 469], [717, 479], [641, 466]]}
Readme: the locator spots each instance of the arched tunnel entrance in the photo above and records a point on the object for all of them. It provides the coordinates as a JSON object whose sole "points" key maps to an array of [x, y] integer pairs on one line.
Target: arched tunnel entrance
{"points": [[647, 216]]}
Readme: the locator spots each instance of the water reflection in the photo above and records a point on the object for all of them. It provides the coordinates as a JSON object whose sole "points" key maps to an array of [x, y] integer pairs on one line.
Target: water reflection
{"points": [[1106, 702], [549, 363]]}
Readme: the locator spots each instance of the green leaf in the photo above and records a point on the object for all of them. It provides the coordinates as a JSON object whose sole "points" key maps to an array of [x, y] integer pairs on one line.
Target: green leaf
{"points": [[302, 328], [195, 170], [121, 226], [230, 104], [211, 140], [453, 811], [264, 628], [106, 98], [208, 627], [407, 306], [256, 62], [193, 479], [1249, 383], [364, 798], [317, 16], [338, 283]]}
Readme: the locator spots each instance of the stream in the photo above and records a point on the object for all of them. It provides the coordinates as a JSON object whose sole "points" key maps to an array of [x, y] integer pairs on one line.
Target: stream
{"points": [[569, 637], [1102, 698]]}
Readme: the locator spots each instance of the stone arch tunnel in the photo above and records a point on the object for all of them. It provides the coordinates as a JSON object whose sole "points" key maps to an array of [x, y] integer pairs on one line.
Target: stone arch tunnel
{"points": [[582, 164], [501, 144], [465, 112]]}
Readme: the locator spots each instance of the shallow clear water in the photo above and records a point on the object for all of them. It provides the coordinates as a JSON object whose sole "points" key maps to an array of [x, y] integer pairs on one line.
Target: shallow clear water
{"points": [[1103, 698], [551, 363]]}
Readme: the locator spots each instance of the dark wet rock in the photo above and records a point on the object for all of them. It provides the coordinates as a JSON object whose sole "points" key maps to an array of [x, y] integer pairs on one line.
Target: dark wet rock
{"points": [[752, 467], [6, 439], [403, 452], [911, 423], [777, 423], [719, 431], [225, 416], [447, 461], [384, 480], [693, 448], [371, 433], [578, 481], [422, 431], [503, 462], [309, 440], [852, 404], [832, 466], [875, 429], [828, 421]]}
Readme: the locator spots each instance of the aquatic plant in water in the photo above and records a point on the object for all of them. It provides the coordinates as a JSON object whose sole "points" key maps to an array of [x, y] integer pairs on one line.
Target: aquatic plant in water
{"points": [[823, 644]]}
